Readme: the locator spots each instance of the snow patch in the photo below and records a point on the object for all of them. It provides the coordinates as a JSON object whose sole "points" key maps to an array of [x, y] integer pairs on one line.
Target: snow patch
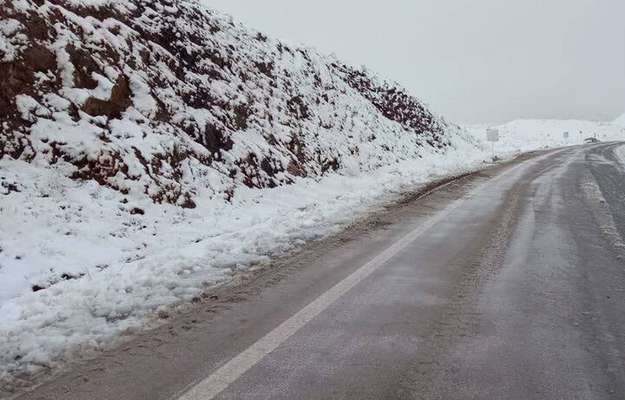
{"points": [[620, 121]]}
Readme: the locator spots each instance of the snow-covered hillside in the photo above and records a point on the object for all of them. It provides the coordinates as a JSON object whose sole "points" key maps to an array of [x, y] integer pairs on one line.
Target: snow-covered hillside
{"points": [[620, 121], [172, 101], [532, 134], [151, 149]]}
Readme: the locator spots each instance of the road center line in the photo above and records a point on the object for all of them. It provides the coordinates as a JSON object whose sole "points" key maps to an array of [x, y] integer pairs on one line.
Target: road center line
{"points": [[219, 380]]}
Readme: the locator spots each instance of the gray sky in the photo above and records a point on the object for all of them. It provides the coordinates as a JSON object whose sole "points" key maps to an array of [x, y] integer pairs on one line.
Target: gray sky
{"points": [[471, 60]]}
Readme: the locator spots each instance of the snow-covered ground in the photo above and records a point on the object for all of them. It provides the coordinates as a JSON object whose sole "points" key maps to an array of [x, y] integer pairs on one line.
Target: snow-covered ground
{"points": [[532, 134], [130, 265]]}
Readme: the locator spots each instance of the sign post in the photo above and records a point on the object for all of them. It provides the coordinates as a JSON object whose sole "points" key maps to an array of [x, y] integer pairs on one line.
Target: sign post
{"points": [[565, 135], [492, 135]]}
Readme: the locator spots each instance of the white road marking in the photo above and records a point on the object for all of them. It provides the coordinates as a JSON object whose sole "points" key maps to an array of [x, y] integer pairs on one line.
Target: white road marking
{"points": [[219, 380]]}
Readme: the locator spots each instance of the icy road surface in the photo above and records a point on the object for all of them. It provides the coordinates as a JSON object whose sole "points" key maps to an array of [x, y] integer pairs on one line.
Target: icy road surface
{"points": [[509, 283]]}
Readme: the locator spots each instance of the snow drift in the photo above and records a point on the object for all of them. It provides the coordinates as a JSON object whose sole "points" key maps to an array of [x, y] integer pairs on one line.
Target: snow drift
{"points": [[150, 149]]}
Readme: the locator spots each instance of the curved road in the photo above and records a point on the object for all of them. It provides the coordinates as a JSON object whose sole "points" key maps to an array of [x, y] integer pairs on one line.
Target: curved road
{"points": [[505, 284]]}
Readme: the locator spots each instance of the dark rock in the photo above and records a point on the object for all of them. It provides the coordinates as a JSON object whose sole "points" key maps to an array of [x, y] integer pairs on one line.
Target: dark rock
{"points": [[113, 107], [136, 210]]}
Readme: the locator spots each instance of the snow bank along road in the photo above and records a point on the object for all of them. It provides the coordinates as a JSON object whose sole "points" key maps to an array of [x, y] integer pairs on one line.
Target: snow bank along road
{"points": [[508, 283]]}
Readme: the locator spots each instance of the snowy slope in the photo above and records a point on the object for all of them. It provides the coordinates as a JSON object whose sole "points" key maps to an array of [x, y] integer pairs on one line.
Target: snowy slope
{"points": [[177, 102], [151, 149], [620, 121], [532, 134]]}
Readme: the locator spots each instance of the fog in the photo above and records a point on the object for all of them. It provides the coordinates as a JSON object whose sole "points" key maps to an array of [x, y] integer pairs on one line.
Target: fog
{"points": [[472, 61]]}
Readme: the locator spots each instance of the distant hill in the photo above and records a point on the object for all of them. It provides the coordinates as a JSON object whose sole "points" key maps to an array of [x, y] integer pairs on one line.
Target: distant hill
{"points": [[531, 134]]}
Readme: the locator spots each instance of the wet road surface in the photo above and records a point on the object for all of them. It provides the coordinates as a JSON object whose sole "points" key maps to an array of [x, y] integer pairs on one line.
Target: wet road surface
{"points": [[508, 283]]}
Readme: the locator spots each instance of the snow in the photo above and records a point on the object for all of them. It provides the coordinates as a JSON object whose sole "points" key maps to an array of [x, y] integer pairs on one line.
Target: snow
{"points": [[11, 41], [532, 134], [123, 267]]}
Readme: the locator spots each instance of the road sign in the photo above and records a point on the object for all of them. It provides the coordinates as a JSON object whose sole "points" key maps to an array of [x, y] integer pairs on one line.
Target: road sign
{"points": [[492, 135]]}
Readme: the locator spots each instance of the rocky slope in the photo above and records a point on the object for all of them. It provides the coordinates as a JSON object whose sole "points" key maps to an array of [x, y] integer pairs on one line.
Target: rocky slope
{"points": [[172, 100]]}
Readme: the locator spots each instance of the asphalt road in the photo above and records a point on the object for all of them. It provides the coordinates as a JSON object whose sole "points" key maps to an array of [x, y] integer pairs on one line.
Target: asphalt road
{"points": [[505, 284]]}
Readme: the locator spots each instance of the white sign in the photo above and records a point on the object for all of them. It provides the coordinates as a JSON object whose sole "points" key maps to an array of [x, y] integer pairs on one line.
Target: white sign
{"points": [[492, 135]]}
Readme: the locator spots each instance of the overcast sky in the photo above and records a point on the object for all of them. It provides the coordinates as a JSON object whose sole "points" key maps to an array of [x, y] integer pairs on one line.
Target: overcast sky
{"points": [[471, 60]]}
